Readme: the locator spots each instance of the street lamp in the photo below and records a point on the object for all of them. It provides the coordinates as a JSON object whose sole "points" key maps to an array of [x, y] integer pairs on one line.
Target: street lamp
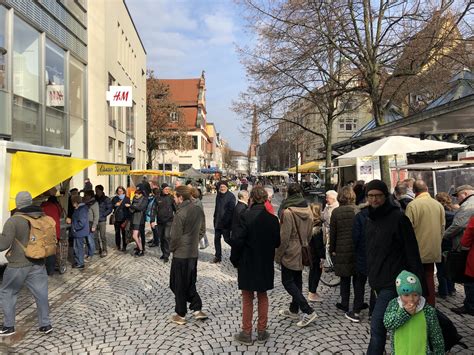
{"points": [[162, 145]]}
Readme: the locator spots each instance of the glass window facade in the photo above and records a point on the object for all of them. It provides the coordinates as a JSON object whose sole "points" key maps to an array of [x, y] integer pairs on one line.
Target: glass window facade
{"points": [[3, 47]]}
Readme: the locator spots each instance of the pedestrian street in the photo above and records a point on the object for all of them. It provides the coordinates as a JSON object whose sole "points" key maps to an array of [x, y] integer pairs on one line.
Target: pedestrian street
{"points": [[122, 304]]}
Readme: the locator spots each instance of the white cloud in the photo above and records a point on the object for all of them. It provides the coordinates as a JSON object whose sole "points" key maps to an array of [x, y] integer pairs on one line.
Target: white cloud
{"points": [[220, 28]]}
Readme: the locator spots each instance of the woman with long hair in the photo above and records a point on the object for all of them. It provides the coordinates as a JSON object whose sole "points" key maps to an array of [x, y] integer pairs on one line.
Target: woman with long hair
{"points": [[137, 209], [120, 217], [318, 253]]}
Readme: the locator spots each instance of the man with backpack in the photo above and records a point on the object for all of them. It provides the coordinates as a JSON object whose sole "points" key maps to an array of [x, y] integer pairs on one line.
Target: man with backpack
{"points": [[23, 270]]}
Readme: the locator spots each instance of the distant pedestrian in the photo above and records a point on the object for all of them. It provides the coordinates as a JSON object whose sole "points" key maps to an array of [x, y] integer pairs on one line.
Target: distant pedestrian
{"points": [[254, 242], [409, 184], [187, 227], [295, 233], [341, 247], [80, 230], [402, 196], [137, 209], [155, 242], [268, 202], [105, 208], [412, 321], [391, 247], [93, 208], [88, 185], [21, 270], [427, 217], [467, 241], [52, 208], [331, 205], [196, 199], [223, 213], [121, 216], [161, 218]]}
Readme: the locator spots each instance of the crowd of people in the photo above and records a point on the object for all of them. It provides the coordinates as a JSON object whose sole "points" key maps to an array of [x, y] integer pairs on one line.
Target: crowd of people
{"points": [[390, 241]]}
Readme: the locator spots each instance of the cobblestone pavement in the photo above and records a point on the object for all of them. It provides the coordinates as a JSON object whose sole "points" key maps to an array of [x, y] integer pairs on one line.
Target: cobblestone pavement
{"points": [[122, 304]]}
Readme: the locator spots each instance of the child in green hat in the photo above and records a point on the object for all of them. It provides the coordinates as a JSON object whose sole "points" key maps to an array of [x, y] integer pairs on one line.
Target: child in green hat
{"points": [[408, 317]]}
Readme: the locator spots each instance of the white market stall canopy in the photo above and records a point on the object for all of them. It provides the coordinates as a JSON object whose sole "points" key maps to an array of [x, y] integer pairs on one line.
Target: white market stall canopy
{"points": [[275, 173], [399, 145]]}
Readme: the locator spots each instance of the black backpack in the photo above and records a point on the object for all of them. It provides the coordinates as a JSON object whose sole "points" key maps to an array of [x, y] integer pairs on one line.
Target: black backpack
{"points": [[450, 333]]}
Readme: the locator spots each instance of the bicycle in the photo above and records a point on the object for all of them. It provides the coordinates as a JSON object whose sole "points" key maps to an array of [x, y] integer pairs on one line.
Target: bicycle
{"points": [[328, 275]]}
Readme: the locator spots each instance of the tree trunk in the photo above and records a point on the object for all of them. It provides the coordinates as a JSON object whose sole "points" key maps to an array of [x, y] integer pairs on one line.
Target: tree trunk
{"points": [[385, 171], [149, 162], [327, 172]]}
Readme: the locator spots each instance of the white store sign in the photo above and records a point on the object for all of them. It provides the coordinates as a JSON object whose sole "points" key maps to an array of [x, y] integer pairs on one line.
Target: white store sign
{"points": [[119, 96]]}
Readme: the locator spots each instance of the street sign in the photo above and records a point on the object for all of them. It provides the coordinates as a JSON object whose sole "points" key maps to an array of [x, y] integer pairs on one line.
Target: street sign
{"points": [[120, 96]]}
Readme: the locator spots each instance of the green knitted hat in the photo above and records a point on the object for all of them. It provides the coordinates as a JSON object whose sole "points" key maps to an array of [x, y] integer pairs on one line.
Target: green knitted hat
{"points": [[407, 283]]}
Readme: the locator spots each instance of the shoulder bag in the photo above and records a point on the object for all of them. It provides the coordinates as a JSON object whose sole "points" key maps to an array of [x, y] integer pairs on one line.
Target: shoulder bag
{"points": [[306, 254]]}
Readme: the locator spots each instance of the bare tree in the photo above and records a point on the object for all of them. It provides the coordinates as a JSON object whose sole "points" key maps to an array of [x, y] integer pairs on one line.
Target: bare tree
{"points": [[296, 76], [163, 118]]}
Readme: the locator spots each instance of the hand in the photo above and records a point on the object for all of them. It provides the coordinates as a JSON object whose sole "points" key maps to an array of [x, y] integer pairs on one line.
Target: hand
{"points": [[333, 253], [152, 224], [118, 204], [410, 308], [127, 205], [93, 229], [68, 220]]}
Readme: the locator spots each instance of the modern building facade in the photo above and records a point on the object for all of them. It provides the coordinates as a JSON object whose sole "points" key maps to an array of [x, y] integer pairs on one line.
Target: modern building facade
{"points": [[116, 135], [43, 85]]}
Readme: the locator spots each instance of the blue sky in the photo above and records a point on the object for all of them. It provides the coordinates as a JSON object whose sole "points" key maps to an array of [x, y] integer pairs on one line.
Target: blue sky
{"points": [[184, 37]]}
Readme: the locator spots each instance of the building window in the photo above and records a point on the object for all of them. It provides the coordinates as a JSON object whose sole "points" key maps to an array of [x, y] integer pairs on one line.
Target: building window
{"points": [[76, 107], [112, 110], [111, 150], [3, 44], [174, 116], [26, 121], [184, 167], [347, 124], [168, 167], [131, 121], [26, 46], [195, 142], [120, 152]]}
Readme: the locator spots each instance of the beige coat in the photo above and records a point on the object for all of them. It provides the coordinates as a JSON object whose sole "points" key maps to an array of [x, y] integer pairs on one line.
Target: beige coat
{"points": [[289, 252], [428, 220], [326, 218]]}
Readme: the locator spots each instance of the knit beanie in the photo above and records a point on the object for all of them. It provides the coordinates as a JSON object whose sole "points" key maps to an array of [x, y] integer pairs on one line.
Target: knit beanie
{"points": [[407, 283], [377, 185], [23, 199]]}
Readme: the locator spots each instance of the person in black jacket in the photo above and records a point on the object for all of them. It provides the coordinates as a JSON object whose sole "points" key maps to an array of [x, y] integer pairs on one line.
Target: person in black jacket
{"points": [[161, 218], [223, 213], [391, 247], [121, 216], [240, 208], [255, 238], [138, 208], [105, 208]]}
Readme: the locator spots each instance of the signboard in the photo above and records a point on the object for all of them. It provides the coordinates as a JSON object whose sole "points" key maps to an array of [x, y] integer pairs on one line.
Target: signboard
{"points": [[112, 169], [119, 96], [55, 95]]}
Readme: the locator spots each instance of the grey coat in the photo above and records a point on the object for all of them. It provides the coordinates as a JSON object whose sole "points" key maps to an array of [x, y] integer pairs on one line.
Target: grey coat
{"points": [[186, 230], [341, 242], [455, 231]]}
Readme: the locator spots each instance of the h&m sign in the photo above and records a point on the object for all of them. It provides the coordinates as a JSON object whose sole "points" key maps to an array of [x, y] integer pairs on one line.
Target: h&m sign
{"points": [[120, 96]]}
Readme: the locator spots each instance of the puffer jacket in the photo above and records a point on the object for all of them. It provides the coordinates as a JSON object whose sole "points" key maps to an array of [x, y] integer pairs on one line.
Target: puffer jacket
{"points": [[341, 243], [460, 221], [294, 220]]}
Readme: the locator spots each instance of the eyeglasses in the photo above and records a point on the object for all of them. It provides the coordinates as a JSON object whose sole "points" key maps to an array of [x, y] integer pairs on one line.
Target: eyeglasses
{"points": [[375, 196]]}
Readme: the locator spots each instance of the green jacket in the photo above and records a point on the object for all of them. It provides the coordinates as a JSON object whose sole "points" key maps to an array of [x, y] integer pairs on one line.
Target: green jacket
{"points": [[395, 317]]}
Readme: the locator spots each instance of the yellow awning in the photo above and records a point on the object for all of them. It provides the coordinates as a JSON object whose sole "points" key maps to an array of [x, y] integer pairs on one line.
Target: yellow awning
{"points": [[155, 172], [37, 173], [311, 167]]}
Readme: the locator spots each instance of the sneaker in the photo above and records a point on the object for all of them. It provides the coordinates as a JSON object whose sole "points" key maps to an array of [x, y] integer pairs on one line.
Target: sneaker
{"points": [[353, 317], [216, 261], [103, 254], [462, 310], [263, 336], [6, 331], [200, 315], [75, 266], [307, 319], [286, 313], [314, 297], [140, 253], [46, 330], [243, 338], [341, 307], [124, 250], [87, 258], [365, 306], [165, 260], [178, 319]]}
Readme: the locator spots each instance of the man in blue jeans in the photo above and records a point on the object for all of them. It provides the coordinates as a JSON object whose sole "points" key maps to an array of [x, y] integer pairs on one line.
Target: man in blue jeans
{"points": [[21, 270], [391, 247]]}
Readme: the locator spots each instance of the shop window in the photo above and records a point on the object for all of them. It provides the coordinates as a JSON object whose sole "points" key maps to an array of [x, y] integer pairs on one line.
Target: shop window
{"points": [[76, 88], [25, 60], [26, 123], [3, 48], [55, 128], [54, 76], [77, 136]]}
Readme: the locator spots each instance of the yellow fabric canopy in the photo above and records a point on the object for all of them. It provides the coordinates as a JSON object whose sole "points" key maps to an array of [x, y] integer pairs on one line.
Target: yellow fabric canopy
{"points": [[154, 172], [37, 173], [311, 167]]}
